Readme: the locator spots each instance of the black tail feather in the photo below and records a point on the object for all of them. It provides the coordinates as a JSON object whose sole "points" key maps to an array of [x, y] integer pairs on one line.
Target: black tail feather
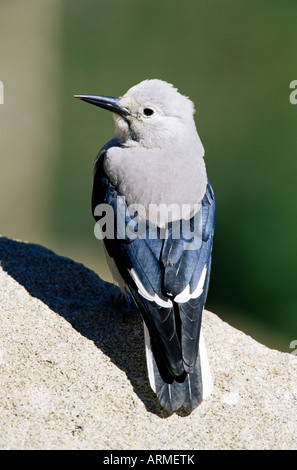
{"points": [[185, 391]]}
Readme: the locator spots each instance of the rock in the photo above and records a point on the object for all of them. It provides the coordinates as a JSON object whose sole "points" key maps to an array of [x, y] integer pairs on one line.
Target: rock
{"points": [[73, 371]]}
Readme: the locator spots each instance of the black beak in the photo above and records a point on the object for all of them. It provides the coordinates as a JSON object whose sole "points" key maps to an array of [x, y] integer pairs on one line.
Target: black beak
{"points": [[106, 102]]}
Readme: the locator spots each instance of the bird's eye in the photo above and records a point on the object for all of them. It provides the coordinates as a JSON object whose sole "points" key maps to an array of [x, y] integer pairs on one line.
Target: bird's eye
{"points": [[148, 112]]}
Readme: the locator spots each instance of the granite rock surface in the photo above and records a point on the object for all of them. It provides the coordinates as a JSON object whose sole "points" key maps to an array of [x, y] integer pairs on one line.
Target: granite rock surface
{"points": [[73, 371]]}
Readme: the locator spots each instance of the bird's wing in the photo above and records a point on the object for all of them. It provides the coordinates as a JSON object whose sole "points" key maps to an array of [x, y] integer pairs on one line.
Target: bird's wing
{"points": [[168, 279]]}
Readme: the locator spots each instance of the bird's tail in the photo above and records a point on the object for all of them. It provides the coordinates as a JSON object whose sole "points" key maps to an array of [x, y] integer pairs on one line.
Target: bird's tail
{"points": [[189, 389]]}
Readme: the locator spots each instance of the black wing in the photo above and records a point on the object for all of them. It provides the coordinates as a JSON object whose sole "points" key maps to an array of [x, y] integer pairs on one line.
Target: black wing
{"points": [[168, 277]]}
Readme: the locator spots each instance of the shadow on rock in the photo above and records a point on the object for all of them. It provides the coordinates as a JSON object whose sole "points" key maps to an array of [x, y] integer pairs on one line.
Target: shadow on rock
{"points": [[89, 304]]}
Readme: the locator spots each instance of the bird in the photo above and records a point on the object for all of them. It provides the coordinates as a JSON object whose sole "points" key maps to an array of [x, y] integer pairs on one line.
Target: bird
{"points": [[154, 203]]}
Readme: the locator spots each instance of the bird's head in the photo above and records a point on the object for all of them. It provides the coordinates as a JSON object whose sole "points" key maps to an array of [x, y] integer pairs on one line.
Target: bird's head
{"points": [[150, 113]]}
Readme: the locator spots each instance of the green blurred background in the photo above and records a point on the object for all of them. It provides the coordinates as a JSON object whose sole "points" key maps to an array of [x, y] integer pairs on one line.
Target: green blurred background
{"points": [[235, 59]]}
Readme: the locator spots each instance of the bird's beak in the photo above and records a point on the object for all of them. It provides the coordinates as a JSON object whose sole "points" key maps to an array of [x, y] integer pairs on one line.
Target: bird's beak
{"points": [[107, 102]]}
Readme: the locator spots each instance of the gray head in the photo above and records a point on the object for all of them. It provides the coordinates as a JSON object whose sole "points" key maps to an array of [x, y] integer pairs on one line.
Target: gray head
{"points": [[159, 144], [152, 113]]}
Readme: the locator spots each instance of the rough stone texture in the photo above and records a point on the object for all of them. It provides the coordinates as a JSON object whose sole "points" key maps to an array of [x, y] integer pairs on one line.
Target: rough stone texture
{"points": [[73, 372]]}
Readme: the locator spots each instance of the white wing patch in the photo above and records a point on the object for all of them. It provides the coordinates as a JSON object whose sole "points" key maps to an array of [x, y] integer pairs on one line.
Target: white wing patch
{"points": [[142, 291], [185, 295], [207, 382], [149, 358]]}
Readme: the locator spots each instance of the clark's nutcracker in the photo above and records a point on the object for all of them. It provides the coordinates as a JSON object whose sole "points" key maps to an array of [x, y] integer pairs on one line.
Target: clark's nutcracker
{"points": [[154, 163]]}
